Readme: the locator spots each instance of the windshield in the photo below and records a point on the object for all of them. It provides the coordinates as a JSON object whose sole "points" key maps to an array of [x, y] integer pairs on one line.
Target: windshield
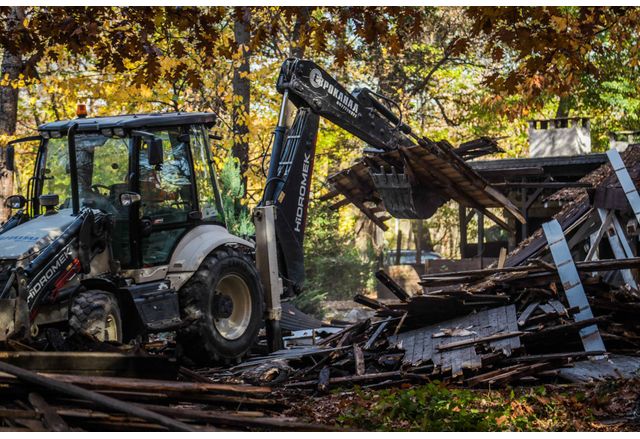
{"points": [[102, 164]]}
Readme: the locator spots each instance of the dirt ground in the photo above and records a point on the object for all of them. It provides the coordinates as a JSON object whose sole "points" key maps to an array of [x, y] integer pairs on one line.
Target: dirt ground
{"points": [[603, 406]]}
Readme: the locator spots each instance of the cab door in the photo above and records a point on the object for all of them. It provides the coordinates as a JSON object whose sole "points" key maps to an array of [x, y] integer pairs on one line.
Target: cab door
{"points": [[168, 207]]}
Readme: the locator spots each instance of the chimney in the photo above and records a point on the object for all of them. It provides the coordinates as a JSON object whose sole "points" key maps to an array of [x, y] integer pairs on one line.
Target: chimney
{"points": [[621, 139], [559, 137]]}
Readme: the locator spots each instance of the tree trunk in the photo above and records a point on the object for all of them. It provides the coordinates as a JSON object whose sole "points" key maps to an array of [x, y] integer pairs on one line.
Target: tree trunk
{"points": [[11, 67], [242, 90], [298, 45], [564, 106]]}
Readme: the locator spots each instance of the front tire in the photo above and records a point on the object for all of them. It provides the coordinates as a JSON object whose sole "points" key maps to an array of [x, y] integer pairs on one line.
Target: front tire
{"points": [[224, 301], [96, 314]]}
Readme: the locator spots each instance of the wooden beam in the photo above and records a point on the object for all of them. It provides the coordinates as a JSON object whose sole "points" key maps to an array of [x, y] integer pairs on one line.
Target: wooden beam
{"points": [[101, 400]]}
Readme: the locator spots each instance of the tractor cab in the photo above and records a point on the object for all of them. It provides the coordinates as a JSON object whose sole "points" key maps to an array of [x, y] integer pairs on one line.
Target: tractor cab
{"points": [[122, 233], [153, 173]]}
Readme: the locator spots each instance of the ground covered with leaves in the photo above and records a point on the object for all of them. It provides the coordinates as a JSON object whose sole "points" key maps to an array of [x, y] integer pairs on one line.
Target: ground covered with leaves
{"points": [[604, 406]]}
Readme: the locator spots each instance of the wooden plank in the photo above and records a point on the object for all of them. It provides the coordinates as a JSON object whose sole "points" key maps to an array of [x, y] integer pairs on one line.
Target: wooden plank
{"points": [[392, 285], [358, 357], [369, 302], [551, 357], [376, 334], [524, 316], [502, 257], [134, 384], [79, 392], [51, 419], [459, 344], [238, 419]]}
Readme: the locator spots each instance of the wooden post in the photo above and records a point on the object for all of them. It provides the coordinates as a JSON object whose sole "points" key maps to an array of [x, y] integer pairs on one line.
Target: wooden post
{"points": [[524, 229], [419, 243], [462, 218], [398, 246], [480, 234], [502, 257]]}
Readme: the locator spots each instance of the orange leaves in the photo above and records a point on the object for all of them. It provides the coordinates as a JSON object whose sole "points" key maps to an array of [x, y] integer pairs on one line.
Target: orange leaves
{"points": [[551, 50], [560, 23]]}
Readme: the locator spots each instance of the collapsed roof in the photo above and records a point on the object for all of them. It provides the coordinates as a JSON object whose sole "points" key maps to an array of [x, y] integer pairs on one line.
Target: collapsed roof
{"points": [[414, 181]]}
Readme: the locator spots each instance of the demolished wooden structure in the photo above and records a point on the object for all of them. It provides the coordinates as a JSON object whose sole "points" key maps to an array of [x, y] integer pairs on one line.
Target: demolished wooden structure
{"points": [[494, 326], [419, 179]]}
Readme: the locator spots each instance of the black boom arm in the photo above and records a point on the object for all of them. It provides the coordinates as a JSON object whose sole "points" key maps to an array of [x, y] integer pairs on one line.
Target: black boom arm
{"points": [[316, 94]]}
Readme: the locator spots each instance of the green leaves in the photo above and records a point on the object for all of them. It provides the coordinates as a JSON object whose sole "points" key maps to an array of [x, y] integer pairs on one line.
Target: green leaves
{"points": [[435, 407], [237, 215], [333, 265]]}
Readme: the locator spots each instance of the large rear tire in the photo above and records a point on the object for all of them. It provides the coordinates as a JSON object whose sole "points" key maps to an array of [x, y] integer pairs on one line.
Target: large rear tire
{"points": [[96, 314], [224, 301]]}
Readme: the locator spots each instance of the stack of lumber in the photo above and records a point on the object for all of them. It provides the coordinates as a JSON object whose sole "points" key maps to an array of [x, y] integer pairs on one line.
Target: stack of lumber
{"points": [[31, 401]]}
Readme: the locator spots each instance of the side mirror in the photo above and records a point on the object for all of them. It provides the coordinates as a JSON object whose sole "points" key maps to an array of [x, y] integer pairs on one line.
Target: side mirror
{"points": [[15, 202], [156, 156], [10, 158], [129, 198]]}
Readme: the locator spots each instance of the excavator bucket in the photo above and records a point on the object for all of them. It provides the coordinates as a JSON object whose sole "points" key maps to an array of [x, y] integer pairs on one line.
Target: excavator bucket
{"points": [[399, 197]]}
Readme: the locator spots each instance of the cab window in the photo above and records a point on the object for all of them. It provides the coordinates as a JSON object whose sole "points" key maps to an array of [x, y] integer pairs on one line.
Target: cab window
{"points": [[166, 189], [208, 196]]}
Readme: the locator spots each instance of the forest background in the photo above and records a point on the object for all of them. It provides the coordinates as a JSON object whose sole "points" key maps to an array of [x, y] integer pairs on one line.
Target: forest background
{"points": [[458, 73]]}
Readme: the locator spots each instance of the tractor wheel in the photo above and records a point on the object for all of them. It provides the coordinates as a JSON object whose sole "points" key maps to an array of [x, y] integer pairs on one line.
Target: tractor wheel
{"points": [[224, 302], [96, 314]]}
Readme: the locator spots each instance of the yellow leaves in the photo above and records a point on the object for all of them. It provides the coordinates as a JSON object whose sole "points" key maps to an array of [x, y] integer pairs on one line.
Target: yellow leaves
{"points": [[560, 23], [20, 82], [145, 92], [168, 63]]}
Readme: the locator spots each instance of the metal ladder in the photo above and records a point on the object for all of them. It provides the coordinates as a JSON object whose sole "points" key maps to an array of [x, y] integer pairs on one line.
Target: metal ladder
{"points": [[573, 288]]}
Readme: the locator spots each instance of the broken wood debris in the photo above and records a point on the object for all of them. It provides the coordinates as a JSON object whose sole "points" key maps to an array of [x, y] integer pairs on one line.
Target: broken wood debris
{"points": [[497, 325], [64, 402]]}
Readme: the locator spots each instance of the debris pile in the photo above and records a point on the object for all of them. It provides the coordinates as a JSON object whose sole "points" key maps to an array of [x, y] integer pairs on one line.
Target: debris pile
{"points": [[566, 297]]}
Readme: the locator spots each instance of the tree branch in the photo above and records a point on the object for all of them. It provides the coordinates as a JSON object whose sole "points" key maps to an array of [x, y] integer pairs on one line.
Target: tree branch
{"points": [[443, 112]]}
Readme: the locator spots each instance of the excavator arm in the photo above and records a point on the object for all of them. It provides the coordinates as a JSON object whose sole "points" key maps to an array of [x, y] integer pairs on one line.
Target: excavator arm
{"points": [[398, 162], [315, 94]]}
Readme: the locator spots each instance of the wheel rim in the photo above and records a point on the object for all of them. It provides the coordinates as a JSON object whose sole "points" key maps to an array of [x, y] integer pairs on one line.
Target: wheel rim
{"points": [[111, 328], [237, 290]]}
